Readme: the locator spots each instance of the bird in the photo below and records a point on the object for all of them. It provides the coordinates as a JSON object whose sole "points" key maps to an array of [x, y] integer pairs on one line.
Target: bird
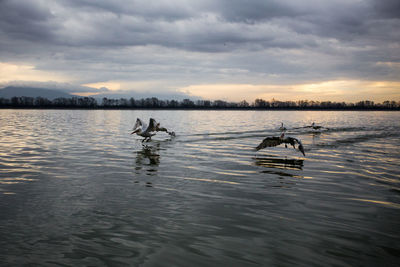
{"points": [[282, 128], [314, 127], [275, 141], [141, 129]]}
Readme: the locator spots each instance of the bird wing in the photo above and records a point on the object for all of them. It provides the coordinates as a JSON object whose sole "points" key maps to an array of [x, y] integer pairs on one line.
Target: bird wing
{"points": [[161, 129], [138, 124], [152, 125], [156, 127], [269, 142], [144, 126], [138, 127], [293, 141], [275, 141]]}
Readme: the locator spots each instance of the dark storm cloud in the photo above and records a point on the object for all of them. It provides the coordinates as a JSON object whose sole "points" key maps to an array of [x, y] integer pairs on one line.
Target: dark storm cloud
{"points": [[387, 8], [254, 11], [25, 20], [151, 9], [189, 26], [64, 87]]}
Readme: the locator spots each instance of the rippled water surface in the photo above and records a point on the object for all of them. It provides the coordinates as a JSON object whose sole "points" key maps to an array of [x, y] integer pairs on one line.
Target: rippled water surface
{"points": [[76, 189]]}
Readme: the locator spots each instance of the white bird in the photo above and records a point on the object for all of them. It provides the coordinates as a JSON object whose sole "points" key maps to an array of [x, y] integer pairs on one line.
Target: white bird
{"points": [[282, 128], [275, 141], [141, 129]]}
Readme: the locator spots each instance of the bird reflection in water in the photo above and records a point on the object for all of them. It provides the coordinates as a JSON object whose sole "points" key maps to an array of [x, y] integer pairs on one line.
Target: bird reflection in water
{"points": [[149, 158], [282, 168], [316, 137], [279, 163]]}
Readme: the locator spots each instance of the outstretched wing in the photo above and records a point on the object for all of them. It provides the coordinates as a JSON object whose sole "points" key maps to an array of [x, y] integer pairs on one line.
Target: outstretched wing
{"points": [[275, 141], [152, 125], [155, 126], [161, 129], [293, 141], [138, 127], [138, 124], [269, 142]]}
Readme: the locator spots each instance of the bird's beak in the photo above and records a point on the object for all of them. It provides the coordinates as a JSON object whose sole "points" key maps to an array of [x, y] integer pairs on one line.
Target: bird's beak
{"points": [[135, 131]]}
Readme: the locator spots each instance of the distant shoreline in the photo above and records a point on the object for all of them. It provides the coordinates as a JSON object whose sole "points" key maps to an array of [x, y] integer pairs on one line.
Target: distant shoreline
{"points": [[153, 103], [204, 109]]}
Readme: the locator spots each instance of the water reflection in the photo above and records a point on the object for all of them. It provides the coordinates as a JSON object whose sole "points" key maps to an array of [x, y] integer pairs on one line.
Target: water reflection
{"points": [[210, 201], [149, 158], [279, 163], [316, 134], [283, 174]]}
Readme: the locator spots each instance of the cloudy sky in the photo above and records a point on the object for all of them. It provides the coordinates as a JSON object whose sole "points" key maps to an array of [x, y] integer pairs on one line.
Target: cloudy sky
{"points": [[339, 50]]}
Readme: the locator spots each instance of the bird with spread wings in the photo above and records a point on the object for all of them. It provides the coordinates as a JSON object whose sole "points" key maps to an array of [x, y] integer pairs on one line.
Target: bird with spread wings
{"points": [[276, 141], [140, 128]]}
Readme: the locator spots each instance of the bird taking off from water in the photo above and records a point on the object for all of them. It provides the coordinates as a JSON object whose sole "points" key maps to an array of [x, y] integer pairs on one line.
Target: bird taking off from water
{"points": [[141, 129], [276, 141]]}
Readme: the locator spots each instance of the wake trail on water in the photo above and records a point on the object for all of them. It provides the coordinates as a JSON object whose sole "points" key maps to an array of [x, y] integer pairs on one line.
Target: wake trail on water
{"points": [[275, 131], [233, 132], [221, 138], [368, 133], [359, 139]]}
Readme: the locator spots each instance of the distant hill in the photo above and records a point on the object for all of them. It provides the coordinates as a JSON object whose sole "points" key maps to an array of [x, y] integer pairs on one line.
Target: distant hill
{"points": [[137, 95], [11, 91]]}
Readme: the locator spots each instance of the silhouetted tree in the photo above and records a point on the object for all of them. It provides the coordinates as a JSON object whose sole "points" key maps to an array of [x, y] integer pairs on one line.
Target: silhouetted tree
{"points": [[243, 104], [187, 103], [42, 102]]}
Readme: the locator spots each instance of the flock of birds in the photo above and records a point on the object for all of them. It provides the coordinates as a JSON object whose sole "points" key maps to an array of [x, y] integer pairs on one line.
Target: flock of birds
{"points": [[147, 131]]}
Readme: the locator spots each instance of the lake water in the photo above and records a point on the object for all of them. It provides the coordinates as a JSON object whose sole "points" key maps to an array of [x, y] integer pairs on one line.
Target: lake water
{"points": [[76, 189]]}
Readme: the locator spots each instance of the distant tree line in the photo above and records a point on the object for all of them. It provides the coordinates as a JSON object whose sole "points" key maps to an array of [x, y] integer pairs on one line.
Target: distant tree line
{"points": [[155, 103]]}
